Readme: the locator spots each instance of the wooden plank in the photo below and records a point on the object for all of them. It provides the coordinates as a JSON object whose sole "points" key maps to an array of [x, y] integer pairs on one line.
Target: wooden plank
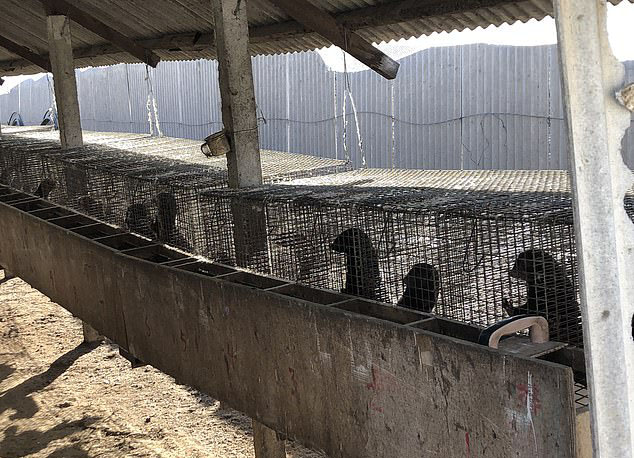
{"points": [[350, 385], [584, 434], [54, 7], [25, 53], [326, 25]]}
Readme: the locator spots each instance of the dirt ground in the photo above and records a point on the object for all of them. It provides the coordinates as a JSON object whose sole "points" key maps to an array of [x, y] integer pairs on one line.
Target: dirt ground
{"points": [[60, 398]]}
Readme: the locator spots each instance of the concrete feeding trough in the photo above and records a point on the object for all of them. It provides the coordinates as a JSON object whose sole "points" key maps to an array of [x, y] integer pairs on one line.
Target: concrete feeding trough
{"points": [[323, 358]]}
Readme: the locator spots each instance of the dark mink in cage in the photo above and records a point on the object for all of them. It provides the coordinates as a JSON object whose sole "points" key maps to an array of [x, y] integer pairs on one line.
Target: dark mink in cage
{"points": [[137, 220], [362, 265], [164, 224], [46, 186], [421, 288], [549, 294]]}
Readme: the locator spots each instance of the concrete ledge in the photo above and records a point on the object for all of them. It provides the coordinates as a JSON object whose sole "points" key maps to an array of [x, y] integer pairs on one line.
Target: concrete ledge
{"points": [[350, 384]]}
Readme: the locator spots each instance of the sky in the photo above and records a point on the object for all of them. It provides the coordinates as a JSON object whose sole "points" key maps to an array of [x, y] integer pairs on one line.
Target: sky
{"points": [[532, 33]]}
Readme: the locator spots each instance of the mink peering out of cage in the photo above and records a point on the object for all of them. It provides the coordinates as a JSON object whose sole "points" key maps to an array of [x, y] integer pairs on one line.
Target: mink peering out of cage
{"points": [[138, 221], [46, 186], [549, 294], [362, 265], [164, 225], [421, 288], [91, 207]]}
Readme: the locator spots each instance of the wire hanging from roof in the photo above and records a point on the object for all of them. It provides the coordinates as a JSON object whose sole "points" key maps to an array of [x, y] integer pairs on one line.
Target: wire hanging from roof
{"points": [[152, 109], [348, 92]]}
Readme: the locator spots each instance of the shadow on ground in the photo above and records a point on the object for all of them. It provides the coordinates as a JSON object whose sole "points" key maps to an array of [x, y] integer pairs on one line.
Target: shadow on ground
{"points": [[5, 371], [19, 398], [25, 443]]}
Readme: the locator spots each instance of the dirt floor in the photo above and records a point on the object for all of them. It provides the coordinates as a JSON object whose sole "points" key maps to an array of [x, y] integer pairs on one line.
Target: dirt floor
{"points": [[60, 398]]}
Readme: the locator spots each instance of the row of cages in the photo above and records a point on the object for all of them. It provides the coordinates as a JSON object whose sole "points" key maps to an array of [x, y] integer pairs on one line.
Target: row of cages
{"points": [[473, 256]]}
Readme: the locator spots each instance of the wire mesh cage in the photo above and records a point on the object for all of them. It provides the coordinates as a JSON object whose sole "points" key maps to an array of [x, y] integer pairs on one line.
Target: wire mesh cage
{"points": [[146, 184], [471, 246], [472, 256]]}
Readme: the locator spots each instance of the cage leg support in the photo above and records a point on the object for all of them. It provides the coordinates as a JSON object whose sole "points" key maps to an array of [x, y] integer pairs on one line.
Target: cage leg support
{"points": [[90, 334], [267, 443], [7, 275]]}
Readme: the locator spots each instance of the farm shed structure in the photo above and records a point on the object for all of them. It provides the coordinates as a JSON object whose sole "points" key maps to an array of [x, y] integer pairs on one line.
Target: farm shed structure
{"points": [[59, 36]]}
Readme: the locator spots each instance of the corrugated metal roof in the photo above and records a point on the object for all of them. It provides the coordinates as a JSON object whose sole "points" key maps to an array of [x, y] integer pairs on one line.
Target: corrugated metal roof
{"points": [[23, 21]]}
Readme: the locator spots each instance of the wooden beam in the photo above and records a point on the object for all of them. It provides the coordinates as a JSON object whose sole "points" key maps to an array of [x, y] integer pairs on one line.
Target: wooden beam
{"points": [[327, 26], [237, 92], [408, 10], [25, 53], [65, 84], [97, 27], [172, 42]]}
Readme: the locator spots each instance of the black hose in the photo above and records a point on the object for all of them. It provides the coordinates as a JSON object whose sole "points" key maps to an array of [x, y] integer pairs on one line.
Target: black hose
{"points": [[15, 119]]}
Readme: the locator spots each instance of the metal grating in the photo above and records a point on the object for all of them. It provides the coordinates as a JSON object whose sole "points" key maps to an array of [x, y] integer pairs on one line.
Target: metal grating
{"points": [[147, 185]]}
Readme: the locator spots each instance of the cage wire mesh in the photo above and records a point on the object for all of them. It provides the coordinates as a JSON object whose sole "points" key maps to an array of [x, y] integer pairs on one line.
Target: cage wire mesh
{"points": [[471, 246], [473, 256], [146, 184]]}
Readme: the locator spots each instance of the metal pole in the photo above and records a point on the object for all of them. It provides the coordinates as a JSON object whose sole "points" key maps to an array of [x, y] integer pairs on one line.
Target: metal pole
{"points": [[596, 124]]}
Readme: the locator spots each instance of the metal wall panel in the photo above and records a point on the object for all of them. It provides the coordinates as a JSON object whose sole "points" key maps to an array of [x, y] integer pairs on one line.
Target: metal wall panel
{"points": [[31, 99], [465, 107]]}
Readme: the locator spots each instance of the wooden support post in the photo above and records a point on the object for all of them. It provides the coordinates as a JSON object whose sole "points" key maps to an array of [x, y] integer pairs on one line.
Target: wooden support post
{"points": [[266, 442], [90, 334], [240, 121], [238, 96], [97, 27], [61, 54], [596, 123], [243, 161]]}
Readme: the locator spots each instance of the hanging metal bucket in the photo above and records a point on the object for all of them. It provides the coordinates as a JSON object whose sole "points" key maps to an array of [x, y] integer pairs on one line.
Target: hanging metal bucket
{"points": [[216, 144]]}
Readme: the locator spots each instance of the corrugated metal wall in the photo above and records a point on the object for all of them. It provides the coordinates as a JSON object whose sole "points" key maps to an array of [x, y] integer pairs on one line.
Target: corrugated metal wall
{"points": [[466, 107], [31, 99]]}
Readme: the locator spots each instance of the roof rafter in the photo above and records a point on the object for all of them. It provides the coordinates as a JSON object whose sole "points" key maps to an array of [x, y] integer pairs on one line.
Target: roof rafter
{"points": [[326, 25], [97, 27], [25, 53]]}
